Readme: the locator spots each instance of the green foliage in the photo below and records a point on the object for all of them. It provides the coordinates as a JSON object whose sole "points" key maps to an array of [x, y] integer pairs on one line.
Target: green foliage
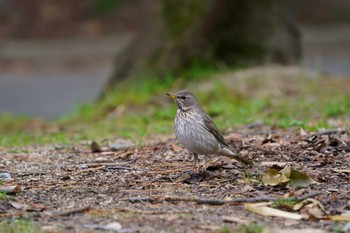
{"points": [[106, 6], [283, 203], [182, 16], [3, 196], [251, 228], [224, 229], [338, 228], [19, 225]]}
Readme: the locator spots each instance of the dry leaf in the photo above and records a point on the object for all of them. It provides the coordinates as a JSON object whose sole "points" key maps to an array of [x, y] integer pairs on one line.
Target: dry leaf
{"points": [[274, 177], [286, 171], [312, 201], [293, 177], [299, 179], [263, 209], [339, 217]]}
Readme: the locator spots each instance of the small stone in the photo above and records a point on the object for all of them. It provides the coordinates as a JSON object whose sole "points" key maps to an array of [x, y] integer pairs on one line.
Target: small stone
{"points": [[114, 226], [5, 175], [101, 160], [346, 228], [83, 166], [95, 147], [49, 229], [122, 145], [65, 178]]}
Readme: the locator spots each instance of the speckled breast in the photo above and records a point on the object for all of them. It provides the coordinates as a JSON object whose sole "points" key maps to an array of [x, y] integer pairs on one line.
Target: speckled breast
{"points": [[191, 132]]}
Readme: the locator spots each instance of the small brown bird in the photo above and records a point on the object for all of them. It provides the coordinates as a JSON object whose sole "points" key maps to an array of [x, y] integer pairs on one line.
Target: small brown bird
{"points": [[196, 131]]}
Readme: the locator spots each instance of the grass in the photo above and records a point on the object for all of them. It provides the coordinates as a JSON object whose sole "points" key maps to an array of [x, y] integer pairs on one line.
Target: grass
{"points": [[224, 229], [283, 203], [3, 196], [139, 108], [19, 225], [251, 228]]}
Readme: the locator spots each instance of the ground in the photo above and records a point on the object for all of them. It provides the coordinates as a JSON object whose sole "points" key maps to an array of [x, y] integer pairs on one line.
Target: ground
{"points": [[72, 189]]}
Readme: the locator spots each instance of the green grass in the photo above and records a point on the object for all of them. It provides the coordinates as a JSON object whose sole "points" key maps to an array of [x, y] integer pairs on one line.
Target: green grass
{"points": [[3, 196], [251, 228], [139, 108], [283, 203], [20, 225], [224, 229]]}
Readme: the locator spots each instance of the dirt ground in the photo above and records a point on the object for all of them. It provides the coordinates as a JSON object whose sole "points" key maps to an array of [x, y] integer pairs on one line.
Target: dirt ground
{"points": [[74, 190]]}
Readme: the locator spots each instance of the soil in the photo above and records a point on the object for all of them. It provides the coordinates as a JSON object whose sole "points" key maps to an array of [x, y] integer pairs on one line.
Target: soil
{"points": [[75, 190]]}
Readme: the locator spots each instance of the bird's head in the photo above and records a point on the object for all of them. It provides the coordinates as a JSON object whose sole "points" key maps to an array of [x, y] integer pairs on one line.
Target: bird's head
{"points": [[184, 99]]}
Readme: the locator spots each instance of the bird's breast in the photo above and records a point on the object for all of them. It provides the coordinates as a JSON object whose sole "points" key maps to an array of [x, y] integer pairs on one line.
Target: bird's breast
{"points": [[192, 133]]}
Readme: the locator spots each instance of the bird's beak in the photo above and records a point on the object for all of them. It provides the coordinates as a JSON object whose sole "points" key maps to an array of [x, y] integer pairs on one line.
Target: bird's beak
{"points": [[171, 96]]}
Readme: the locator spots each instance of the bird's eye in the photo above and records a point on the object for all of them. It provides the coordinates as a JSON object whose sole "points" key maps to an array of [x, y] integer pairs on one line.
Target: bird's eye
{"points": [[183, 97]]}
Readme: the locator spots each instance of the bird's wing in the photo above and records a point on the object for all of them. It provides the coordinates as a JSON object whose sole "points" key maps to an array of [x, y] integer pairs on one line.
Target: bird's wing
{"points": [[210, 125]]}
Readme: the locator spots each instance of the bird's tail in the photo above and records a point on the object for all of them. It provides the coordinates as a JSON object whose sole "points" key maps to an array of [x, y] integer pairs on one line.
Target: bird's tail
{"points": [[228, 153]]}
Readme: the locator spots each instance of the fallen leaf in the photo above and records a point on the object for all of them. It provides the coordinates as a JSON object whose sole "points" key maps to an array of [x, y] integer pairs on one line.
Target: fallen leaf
{"points": [[288, 176], [263, 209], [274, 177], [299, 179], [286, 171], [339, 217], [312, 201]]}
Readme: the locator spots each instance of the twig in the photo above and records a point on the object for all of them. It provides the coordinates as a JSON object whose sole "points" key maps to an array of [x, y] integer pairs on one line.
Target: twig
{"points": [[155, 212], [31, 174], [112, 167], [73, 211], [220, 202], [170, 170], [12, 214], [86, 170]]}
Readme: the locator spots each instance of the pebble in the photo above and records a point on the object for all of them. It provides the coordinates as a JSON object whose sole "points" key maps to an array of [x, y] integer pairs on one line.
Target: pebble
{"points": [[101, 160], [120, 146], [5, 175]]}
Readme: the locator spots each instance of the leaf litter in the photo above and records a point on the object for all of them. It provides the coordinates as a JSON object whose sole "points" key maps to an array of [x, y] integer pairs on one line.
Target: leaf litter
{"points": [[92, 187]]}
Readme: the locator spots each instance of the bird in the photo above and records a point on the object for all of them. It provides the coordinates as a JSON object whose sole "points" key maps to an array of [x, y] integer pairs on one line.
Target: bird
{"points": [[197, 132]]}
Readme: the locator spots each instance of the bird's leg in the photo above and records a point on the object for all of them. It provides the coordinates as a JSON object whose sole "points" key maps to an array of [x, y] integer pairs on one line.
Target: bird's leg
{"points": [[206, 160], [195, 160]]}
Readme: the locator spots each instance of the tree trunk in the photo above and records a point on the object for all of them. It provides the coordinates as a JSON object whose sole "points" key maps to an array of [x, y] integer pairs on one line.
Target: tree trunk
{"points": [[178, 33]]}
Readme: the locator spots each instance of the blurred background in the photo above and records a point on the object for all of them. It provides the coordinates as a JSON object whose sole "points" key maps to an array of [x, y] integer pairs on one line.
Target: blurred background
{"points": [[56, 55]]}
